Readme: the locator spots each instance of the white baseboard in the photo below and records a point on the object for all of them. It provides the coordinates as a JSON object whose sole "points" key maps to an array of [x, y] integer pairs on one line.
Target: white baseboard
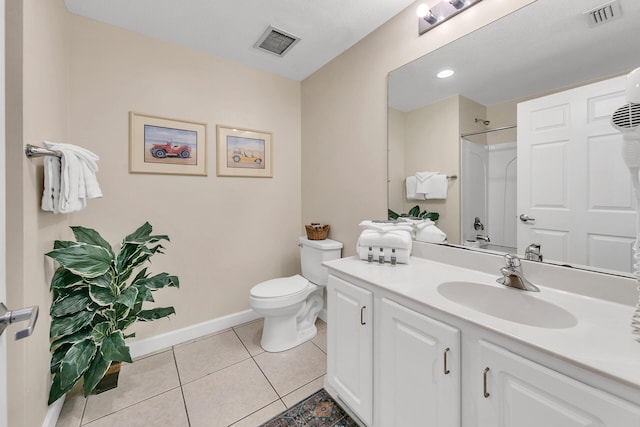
{"points": [[164, 341], [323, 315], [53, 413]]}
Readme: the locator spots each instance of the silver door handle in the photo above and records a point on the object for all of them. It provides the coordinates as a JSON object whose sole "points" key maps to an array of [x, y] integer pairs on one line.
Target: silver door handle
{"points": [[526, 218], [7, 317]]}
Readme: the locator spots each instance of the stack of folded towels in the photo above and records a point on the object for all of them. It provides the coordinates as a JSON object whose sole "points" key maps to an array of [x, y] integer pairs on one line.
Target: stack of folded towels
{"points": [[396, 235], [385, 236], [427, 185], [425, 230], [69, 181]]}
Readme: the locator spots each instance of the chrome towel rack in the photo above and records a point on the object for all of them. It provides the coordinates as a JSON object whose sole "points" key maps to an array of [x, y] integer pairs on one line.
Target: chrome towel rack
{"points": [[452, 176], [34, 151]]}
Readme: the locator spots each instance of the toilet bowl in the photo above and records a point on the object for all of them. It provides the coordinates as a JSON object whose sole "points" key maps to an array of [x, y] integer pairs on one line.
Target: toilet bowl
{"points": [[291, 305]]}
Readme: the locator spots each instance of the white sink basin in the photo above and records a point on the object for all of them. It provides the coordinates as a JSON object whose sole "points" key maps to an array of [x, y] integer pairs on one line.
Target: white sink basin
{"points": [[509, 304]]}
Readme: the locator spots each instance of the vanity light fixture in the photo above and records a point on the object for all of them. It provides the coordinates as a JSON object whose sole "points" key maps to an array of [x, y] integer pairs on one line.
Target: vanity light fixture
{"points": [[430, 17]]}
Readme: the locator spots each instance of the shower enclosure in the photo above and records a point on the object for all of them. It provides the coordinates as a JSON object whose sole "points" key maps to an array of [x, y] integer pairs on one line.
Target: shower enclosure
{"points": [[489, 192]]}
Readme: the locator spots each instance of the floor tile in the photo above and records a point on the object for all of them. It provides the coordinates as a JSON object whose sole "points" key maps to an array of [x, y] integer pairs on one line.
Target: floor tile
{"points": [[73, 408], [303, 392], [204, 356], [228, 395], [251, 334], [166, 409], [321, 339], [138, 381], [261, 416], [291, 369], [320, 324]]}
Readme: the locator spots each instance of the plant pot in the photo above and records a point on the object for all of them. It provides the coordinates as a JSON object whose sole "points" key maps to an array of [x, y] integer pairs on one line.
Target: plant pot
{"points": [[110, 379]]}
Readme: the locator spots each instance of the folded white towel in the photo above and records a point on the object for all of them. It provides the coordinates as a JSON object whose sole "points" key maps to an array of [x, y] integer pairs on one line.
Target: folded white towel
{"points": [[431, 234], [421, 181], [51, 193], [398, 239], [383, 227], [436, 186], [410, 184], [75, 176]]}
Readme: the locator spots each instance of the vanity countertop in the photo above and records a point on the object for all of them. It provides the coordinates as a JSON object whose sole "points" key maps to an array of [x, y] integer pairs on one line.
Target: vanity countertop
{"points": [[600, 341]]}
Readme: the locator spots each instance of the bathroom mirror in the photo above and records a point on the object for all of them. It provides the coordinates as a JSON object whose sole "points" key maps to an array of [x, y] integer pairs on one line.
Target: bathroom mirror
{"points": [[543, 48]]}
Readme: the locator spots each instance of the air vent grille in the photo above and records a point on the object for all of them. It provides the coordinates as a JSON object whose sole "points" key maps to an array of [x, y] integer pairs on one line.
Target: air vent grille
{"points": [[627, 116], [276, 41], [603, 14]]}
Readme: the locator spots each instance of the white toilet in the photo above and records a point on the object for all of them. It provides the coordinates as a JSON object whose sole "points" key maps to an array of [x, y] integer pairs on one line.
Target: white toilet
{"points": [[290, 305]]}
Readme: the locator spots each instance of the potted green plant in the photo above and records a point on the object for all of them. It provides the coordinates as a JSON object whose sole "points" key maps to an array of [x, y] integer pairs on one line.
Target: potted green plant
{"points": [[415, 213], [96, 297]]}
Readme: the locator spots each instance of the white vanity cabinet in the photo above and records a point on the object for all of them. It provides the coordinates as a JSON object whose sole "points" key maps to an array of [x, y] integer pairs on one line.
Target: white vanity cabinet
{"points": [[350, 346], [419, 369], [517, 392], [396, 359]]}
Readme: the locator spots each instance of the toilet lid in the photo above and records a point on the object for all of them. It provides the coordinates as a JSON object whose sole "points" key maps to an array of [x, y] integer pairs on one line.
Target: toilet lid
{"points": [[280, 287]]}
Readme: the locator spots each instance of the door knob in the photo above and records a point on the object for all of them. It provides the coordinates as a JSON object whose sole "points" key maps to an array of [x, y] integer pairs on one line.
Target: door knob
{"points": [[526, 218], [7, 317]]}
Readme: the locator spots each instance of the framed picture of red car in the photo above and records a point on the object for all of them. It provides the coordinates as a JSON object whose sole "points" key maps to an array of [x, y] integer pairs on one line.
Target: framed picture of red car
{"points": [[243, 152], [168, 146]]}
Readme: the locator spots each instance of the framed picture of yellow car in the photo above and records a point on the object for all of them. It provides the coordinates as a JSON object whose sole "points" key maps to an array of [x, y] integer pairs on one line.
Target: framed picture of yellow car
{"points": [[243, 152]]}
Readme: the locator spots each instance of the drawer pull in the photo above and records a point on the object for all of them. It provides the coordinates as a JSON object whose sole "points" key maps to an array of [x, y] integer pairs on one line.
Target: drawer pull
{"points": [[484, 377], [446, 370], [362, 322]]}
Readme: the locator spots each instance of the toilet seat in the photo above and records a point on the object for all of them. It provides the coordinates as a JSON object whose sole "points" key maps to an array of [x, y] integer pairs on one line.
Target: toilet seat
{"points": [[280, 287]]}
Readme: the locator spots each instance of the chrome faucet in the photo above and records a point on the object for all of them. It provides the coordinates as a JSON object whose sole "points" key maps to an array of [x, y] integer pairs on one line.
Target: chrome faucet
{"points": [[533, 253], [483, 237], [513, 275]]}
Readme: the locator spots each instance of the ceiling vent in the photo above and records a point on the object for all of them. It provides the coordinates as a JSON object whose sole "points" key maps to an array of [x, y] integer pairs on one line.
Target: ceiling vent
{"points": [[276, 41], [603, 14]]}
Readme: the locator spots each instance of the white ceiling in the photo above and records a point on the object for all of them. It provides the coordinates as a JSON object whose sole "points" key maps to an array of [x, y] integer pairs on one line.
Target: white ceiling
{"points": [[230, 28], [542, 47]]}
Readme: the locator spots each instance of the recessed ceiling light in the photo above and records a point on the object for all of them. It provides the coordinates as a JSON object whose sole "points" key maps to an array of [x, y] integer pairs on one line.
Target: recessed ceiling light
{"points": [[445, 73]]}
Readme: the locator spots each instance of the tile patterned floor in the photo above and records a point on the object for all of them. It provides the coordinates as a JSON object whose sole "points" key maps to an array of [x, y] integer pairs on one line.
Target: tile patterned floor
{"points": [[225, 379]]}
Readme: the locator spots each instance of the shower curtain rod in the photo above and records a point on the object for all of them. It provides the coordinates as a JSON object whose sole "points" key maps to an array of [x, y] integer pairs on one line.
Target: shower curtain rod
{"points": [[487, 131]]}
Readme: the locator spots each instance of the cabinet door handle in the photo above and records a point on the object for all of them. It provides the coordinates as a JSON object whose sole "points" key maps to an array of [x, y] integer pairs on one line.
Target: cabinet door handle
{"points": [[362, 322], [446, 370], [484, 381]]}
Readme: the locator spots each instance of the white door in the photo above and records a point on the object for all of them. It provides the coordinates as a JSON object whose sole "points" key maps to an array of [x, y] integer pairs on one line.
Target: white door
{"points": [[572, 180], [419, 369], [350, 346], [3, 269]]}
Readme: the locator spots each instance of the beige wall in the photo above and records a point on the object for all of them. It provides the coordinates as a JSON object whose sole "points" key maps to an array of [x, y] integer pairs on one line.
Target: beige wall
{"points": [[344, 118], [227, 234], [395, 162], [428, 138], [432, 144], [77, 84]]}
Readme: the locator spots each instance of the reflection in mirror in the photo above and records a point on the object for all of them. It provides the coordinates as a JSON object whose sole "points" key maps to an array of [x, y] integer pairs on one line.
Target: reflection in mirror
{"points": [[513, 63]]}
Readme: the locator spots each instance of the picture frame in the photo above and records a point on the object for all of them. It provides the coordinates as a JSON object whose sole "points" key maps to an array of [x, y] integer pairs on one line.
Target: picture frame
{"points": [[166, 146], [244, 152]]}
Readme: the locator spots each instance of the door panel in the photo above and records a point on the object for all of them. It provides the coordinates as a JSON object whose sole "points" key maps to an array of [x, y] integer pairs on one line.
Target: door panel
{"points": [[572, 179], [3, 294]]}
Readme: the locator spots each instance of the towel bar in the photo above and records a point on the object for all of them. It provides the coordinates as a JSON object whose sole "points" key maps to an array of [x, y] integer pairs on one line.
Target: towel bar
{"points": [[452, 176], [34, 151]]}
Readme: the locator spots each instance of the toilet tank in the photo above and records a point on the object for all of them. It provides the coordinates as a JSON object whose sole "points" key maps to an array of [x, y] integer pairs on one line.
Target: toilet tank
{"points": [[313, 253]]}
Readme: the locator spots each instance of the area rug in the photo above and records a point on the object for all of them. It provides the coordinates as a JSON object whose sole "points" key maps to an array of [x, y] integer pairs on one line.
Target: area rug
{"points": [[317, 410]]}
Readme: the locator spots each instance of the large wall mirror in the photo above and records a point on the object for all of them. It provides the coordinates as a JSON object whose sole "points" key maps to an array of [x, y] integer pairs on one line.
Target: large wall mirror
{"points": [[508, 125]]}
